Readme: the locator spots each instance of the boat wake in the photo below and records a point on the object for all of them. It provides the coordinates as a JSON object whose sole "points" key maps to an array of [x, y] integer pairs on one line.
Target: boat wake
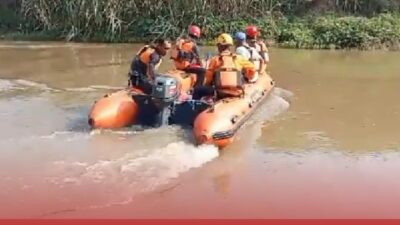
{"points": [[76, 168], [20, 84], [118, 181]]}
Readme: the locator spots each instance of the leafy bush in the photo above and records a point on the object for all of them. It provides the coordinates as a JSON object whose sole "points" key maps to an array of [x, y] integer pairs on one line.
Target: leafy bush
{"points": [[145, 20]]}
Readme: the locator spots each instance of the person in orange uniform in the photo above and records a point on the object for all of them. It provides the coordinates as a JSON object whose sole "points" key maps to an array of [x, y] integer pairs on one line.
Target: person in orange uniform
{"points": [[186, 55], [227, 72], [251, 35], [146, 62]]}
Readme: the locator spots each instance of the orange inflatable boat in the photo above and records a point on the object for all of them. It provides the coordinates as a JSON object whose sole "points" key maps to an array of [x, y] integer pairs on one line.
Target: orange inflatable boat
{"points": [[212, 123], [131, 106], [218, 124]]}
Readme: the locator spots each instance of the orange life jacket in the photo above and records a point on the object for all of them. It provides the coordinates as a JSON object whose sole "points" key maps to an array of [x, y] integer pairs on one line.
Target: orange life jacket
{"points": [[142, 60], [183, 54], [144, 54], [228, 80]]}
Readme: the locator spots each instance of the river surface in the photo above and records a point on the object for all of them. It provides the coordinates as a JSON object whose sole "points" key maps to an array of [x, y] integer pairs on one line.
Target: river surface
{"points": [[324, 145]]}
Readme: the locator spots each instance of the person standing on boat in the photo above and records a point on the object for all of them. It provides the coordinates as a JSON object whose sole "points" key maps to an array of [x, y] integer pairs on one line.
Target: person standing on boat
{"points": [[250, 53], [251, 35], [146, 62], [226, 72], [186, 55]]}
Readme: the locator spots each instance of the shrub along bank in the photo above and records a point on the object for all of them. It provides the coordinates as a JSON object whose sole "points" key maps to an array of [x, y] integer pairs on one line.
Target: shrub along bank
{"points": [[137, 21]]}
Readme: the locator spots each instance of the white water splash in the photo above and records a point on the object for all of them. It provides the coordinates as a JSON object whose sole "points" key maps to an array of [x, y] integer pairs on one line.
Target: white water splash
{"points": [[106, 87], [33, 84], [19, 84], [7, 85], [273, 106], [67, 136], [93, 88], [124, 178]]}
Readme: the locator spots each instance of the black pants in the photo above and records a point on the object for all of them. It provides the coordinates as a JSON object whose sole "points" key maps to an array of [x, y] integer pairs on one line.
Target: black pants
{"points": [[200, 72], [144, 84], [202, 91]]}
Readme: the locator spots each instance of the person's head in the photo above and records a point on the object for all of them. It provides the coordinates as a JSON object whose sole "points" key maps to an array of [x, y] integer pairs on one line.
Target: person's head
{"points": [[252, 32], [240, 38], [224, 42], [251, 42], [194, 32], [162, 46]]}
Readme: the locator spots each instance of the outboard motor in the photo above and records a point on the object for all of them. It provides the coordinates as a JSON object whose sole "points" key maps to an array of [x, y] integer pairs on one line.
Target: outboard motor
{"points": [[165, 92]]}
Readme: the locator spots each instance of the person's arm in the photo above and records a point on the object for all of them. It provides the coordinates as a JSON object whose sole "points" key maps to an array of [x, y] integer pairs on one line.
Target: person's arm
{"points": [[154, 61], [210, 71], [176, 51], [264, 51], [257, 56], [197, 55]]}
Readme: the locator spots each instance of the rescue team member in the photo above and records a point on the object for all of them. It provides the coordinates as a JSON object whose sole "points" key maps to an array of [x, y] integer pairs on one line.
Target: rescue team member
{"points": [[250, 53], [225, 72], [252, 33], [144, 65], [186, 55], [242, 48]]}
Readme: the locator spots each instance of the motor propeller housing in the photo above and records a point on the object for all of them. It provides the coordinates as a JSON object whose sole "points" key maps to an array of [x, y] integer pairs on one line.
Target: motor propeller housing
{"points": [[165, 88]]}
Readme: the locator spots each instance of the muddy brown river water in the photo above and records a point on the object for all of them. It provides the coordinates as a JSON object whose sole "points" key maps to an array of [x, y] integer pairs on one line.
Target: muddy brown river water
{"points": [[324, 145]]}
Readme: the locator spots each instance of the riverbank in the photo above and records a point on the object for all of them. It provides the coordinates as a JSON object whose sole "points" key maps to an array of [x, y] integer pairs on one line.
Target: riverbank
{"points": [[381, 31]]}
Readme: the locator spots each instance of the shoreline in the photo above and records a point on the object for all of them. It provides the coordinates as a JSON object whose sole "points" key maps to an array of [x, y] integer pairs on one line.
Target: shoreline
{"points": [[323, 31], [10, 41], [271, 43], [288, 24]]}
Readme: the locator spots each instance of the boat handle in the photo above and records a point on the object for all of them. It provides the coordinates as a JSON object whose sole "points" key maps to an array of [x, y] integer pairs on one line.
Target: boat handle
{"points": [[234, 119]]}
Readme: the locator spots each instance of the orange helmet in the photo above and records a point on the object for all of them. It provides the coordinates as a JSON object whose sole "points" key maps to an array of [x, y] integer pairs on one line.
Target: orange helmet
{"points": [[251, 31], [195, 31]]}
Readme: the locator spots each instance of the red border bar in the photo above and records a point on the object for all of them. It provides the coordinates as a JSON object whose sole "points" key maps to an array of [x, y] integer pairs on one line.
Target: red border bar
{"points": [[197, 222]]}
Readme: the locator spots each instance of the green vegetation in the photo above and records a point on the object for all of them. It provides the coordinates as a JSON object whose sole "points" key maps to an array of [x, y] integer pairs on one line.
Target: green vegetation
{"points": [[378, 32], [363, 24]]}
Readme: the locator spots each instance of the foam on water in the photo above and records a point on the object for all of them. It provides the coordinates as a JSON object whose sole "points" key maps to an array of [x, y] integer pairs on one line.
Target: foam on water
{"points": [[275, 104], [19, 84], [123, 178], [95, 168], [7, 85], [93, 88], [66, 135], [33, 84]]}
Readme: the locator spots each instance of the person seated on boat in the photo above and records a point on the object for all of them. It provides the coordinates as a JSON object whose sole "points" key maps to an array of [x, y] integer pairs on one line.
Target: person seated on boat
{"points": [[251, 35], [226, 72], [186, 55], [145, 64], [250, 53], [242, 48]]}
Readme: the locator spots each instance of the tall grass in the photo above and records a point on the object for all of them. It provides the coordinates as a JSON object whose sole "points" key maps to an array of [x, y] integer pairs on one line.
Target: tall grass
{"points": [[113, 20], [292, 23]]}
